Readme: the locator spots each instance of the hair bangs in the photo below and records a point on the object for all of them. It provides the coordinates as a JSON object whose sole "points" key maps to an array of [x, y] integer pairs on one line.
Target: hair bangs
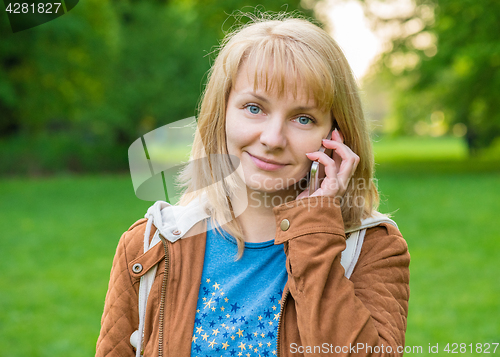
{"points": [[281, 65]]}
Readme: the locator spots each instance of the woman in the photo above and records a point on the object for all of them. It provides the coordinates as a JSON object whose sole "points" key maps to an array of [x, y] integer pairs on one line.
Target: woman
{"points": [[277, 88]]}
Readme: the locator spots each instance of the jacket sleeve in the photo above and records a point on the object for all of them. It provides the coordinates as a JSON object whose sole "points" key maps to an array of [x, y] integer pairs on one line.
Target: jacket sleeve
{"points": [[365, 315], [120, 317]]}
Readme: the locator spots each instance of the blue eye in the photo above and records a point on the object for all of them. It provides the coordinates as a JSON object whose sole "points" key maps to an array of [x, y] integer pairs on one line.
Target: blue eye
{"points": [[304, 120], [253, 109]]}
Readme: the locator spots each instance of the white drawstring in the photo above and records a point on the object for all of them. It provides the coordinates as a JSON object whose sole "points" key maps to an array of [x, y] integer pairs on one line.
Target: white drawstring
{"points": [[142, 294], [147, 233]]}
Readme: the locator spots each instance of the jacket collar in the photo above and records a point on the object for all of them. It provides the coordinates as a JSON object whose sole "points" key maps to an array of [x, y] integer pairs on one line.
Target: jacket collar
{"points": [[173, 222], [375, 219]]}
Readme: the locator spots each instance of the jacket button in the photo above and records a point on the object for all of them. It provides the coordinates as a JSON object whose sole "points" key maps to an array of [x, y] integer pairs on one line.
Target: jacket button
{"points": [[285, 224], [176, 232], [137, 268]]}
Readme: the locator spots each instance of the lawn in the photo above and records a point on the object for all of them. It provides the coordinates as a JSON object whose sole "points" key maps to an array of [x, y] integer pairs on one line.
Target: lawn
{"points": [[59, 235]]}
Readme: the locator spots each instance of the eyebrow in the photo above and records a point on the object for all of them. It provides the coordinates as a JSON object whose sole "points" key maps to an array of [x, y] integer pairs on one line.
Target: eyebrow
{"points": [[267, 101]]}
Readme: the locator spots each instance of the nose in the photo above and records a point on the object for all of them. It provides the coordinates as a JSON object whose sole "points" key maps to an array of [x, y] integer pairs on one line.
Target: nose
{"points": [[272, 135]]}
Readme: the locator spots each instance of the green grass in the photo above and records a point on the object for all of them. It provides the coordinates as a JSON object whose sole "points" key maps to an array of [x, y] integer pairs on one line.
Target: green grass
{"points": [[59, 236], [58, 240], [423, 155], [446, 205], [449, 222], [419, 148]]}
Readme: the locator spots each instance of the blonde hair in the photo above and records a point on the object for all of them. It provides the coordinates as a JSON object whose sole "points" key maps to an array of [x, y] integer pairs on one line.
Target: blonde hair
{"points": [[300, 52]]}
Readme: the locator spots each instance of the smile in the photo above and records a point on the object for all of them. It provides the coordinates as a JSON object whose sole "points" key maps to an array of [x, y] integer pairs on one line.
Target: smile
{"points": [[265, 164]]}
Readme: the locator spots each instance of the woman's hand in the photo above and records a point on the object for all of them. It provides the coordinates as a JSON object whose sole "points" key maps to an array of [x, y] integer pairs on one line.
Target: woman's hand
{"points": [[338, 171]]}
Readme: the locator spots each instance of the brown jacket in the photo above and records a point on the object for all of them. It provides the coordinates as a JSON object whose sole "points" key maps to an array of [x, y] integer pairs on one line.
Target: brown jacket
{"points": [[322, 313]]}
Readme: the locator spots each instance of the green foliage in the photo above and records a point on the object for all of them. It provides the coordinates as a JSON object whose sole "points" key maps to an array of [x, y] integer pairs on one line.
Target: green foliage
{"points": [[54, 71], [443, 68], [90, 82]]}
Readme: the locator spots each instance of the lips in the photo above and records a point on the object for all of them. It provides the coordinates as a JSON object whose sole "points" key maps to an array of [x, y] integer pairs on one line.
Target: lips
{"points": [[266, 164]]}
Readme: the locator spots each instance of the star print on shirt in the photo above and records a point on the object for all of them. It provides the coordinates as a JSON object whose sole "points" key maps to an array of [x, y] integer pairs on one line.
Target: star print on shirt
{"points": [[261, 329], [236, 308]]}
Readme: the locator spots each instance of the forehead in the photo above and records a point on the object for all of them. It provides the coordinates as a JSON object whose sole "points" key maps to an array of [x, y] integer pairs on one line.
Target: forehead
{"points": [[282, 76], [251, 79]]}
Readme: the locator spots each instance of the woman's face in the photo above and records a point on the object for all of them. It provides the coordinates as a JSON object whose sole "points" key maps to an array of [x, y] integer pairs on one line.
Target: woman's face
{"points": [[271, 134]]}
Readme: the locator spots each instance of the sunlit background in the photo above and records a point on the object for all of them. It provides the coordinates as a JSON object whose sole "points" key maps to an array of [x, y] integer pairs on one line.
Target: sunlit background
{"points": [[350, 28], [76, 92]]}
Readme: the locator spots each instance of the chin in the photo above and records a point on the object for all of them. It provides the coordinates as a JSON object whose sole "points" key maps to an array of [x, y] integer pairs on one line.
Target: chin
{"points": [[271, 185]]}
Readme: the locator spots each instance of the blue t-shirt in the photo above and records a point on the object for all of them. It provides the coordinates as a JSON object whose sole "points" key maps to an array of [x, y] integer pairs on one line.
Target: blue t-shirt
{"points": [[238, 305]]}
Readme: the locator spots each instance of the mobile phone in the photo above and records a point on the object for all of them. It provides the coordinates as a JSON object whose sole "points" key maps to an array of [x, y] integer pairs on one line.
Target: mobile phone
{"points": [[317, 173]]}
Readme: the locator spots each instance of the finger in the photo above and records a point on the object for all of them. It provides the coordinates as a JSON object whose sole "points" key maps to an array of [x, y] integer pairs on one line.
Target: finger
{"points": [[347, 169], [342, 150], [349, 161], [329, 185], [321, 157], [337, 135]]}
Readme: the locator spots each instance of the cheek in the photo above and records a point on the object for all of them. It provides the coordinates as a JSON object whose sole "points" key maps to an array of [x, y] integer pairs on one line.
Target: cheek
{"points": [[306, 145], [231, 130], [303, 164], [239, 134], [233, 137]]}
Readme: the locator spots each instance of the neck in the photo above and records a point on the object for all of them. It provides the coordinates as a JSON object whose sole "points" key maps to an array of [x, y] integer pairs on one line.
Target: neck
{"points": [[257, 220]]}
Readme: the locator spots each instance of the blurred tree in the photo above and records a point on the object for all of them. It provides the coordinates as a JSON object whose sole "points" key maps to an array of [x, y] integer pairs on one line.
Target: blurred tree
{"points": [[443, 66], [50, 77], [53, 71]]}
